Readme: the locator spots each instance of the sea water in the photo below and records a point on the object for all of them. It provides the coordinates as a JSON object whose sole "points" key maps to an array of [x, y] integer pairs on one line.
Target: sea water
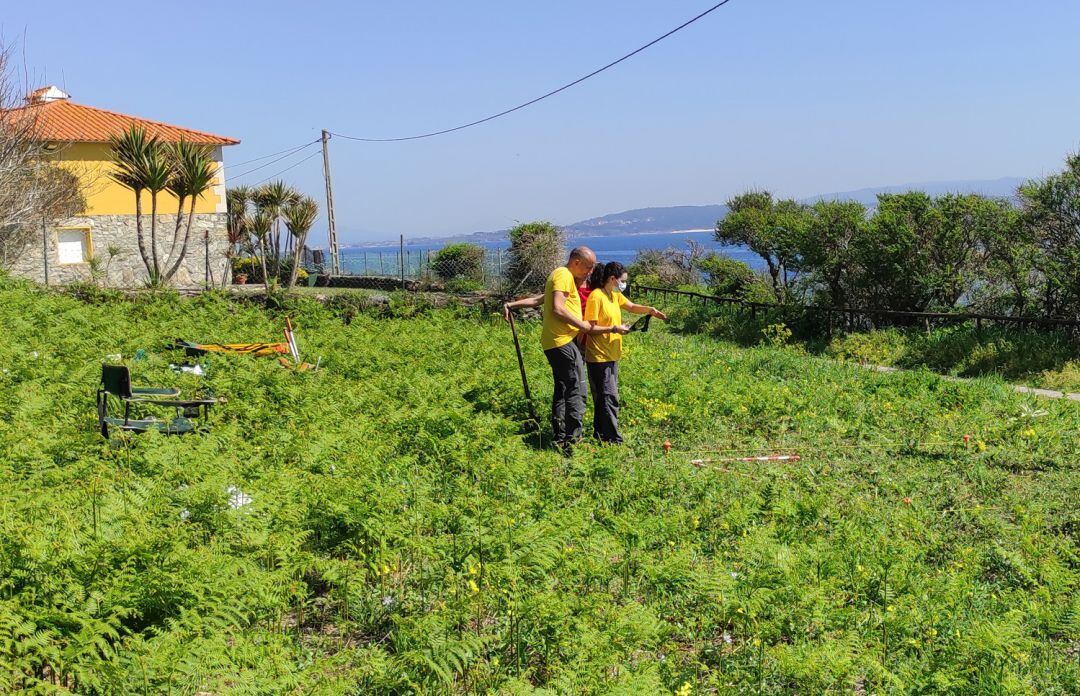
{"points": [[622, 248]]}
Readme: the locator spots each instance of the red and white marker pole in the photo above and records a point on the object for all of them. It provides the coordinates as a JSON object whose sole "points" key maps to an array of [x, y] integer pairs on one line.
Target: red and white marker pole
{"points": [[762, 458]]}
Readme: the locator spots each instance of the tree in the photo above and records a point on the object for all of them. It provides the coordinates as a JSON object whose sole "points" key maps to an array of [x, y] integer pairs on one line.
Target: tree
{"points": [[192, 172], [130, 153], [259, 225], [536, 248], [272, 199], [237, 205], [826, 248], [1011, 274], [1051, 216], [920, 252], [33, 188], [299, 217], [771, 229], [156, 171]]}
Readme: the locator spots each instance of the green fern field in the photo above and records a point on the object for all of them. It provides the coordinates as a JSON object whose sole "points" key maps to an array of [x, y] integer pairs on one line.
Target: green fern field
{"points": [[388, 524]]}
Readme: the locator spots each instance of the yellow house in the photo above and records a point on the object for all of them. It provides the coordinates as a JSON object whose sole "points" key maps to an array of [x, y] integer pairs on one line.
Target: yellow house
{"points": [[105, 233]]}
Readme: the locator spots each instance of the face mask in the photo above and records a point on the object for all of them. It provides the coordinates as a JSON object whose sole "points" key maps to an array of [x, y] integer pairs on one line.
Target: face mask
{"points": [[622, 286]]}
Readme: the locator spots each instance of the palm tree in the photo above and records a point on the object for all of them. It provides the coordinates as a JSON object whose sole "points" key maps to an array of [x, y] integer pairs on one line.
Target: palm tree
{"points": [[129, 155], [259, 225], [193, 172], [272, 199], [299, 217], [156, 173], [236, 201]]}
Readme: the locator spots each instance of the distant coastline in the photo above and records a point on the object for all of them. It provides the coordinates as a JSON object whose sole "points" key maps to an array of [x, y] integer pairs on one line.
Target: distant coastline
{"points": [[490, 237], [686, 219]]}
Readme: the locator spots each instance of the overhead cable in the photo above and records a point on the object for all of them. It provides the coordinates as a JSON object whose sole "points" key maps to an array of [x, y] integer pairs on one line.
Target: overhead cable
{"points": [[542, 96], [287, 150], [267, 164], [291, 166]]}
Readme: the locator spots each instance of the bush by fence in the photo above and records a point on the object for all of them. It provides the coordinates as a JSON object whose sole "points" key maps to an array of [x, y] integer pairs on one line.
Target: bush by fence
{"points": [[535, 249], [251, 269], [460, 264]]}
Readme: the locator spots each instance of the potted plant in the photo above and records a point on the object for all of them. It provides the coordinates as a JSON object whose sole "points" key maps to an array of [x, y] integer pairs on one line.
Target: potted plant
{"points": [[240, 278]]}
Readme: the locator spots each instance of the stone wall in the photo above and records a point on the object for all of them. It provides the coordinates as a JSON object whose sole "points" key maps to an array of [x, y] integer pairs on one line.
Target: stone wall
{"points": [[125, 269]]}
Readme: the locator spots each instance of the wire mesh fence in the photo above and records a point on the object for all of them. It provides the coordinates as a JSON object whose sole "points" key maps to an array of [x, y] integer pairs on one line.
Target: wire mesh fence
{"points": [[459, 266]]}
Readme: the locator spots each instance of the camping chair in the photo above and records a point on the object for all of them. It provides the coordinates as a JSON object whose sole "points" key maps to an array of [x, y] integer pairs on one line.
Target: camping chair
{"points": [[116, 383]]}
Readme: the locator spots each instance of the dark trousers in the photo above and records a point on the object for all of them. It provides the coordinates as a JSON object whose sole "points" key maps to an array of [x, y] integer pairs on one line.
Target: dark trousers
{"points": [[604, 380], [568, 399]]}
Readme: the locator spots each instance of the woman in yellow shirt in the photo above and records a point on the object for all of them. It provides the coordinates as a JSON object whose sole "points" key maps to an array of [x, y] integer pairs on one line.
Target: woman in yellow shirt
{"points": [[603, 351]]}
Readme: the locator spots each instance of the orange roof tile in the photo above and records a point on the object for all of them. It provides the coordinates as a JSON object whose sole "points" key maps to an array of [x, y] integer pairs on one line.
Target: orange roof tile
{"points": [[65, 121]]}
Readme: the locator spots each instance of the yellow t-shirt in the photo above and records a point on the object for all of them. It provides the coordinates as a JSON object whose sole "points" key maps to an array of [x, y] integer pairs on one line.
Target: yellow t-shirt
{"points": [[602, 310], [557, 332]]}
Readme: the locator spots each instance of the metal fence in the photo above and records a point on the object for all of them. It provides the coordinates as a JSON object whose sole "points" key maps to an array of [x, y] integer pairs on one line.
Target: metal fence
{"points": [[425, 264]]}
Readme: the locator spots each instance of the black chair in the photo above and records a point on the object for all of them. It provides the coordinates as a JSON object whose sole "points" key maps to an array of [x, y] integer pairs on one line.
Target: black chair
{"points": [[116, 385]]}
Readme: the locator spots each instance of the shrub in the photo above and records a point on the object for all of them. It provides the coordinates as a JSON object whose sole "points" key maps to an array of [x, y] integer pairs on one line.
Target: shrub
{"points": [[728, 277], [459, 262], [776, 335], [250, 266], [536, 248], [666, 268], [886, 347]]}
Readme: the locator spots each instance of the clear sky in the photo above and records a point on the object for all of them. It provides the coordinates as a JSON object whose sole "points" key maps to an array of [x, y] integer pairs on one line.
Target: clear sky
{"points": [[796, 96]]}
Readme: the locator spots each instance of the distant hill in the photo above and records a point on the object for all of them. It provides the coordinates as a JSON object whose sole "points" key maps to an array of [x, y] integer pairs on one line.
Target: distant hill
{"points": [[645, 220], [994, 188], [703, 217]]}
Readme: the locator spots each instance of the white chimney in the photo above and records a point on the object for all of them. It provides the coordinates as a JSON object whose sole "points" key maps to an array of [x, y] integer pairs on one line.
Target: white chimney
{"points": [[47, 94]]}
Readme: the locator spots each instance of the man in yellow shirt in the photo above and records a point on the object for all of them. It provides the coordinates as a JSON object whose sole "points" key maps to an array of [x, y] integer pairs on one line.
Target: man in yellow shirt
{"points": [[562, 324], [603, 350]]}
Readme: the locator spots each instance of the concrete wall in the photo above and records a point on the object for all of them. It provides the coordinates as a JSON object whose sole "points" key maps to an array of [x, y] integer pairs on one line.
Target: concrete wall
{"points": [[126, 269]]}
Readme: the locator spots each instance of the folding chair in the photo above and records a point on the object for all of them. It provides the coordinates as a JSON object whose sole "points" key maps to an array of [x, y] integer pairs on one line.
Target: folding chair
{"points": [[116, 383]]}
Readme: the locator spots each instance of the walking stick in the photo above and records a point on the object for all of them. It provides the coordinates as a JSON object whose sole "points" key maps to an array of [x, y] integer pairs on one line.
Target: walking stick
{"points": [[521, 366]]}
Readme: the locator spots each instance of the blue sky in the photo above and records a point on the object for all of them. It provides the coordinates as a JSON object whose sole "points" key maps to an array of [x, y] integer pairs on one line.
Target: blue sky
{"points": [[799, 97]]}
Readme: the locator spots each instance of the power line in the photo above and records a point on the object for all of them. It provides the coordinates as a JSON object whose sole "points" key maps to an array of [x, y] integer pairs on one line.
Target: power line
{"points": [[291, 166], [291, 149], [543, 96], [290, 153]]}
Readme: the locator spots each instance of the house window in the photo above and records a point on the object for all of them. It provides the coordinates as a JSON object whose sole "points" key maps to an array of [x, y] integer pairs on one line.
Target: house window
{"points": [[73, 245]]}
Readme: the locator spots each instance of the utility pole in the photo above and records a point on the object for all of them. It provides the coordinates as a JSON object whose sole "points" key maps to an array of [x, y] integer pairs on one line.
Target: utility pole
{"points": [[45, 248], [335, 255]]}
